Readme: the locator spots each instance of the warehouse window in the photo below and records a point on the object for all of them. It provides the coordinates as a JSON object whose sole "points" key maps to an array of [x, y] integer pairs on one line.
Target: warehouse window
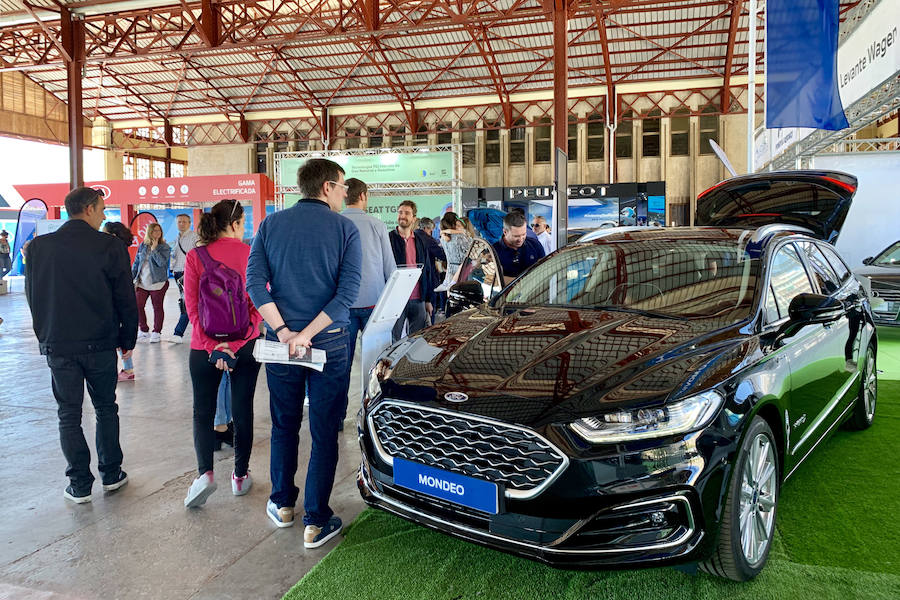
{"points": [[492, 147], [709, 129], [595, 129], [572, 135], [542, 137], [397, 137], [444, 136], [650, 137], [376, 137], [467, 137], [681, 127], [351, 141], [517, 142], [624, 145], [421, 136]]}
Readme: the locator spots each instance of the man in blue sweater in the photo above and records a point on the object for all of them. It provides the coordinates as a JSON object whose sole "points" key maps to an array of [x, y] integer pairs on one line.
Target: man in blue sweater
{"points": [[303, 275]]}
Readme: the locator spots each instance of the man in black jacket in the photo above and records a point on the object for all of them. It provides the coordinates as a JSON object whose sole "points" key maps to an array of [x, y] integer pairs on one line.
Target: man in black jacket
{"points": [[78, 286], [410, 248]]}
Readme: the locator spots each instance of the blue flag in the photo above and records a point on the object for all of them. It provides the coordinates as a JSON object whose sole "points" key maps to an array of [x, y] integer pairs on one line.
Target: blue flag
{"points": [[801, 65]]}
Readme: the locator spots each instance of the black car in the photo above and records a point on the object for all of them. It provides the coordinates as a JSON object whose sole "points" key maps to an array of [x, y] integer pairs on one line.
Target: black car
{"points": [[881, 274], [635, 400]]}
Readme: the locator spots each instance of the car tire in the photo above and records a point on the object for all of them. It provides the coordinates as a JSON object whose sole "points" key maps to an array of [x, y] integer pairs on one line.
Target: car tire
{"points": [[750, 508], [864, 409]]}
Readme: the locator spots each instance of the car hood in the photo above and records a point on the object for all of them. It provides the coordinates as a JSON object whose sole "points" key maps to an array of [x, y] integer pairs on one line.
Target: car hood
{"points": [[546, 364], [886, 272]]}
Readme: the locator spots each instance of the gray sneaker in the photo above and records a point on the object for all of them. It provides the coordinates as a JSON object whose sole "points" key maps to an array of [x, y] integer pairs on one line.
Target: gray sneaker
{"points": [[200, 490]]}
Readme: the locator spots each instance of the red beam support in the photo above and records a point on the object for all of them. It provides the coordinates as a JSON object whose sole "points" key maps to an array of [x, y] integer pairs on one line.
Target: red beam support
{"points": [[560, 117], [729, 56], [73, 43], [209, 22]]}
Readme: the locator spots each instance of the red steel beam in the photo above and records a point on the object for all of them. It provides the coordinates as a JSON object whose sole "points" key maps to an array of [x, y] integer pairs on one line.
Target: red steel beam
{"points": [[73, 43], [729, 56], [209, 22], [604, 44]]}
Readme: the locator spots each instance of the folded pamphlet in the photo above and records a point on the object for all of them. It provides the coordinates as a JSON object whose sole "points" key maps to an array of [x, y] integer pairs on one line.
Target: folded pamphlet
{"points": [[265, 351]]}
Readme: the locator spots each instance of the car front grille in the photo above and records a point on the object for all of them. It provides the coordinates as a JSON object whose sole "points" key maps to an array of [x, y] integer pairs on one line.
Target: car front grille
{"points": [[888, 293], [517, 458]]}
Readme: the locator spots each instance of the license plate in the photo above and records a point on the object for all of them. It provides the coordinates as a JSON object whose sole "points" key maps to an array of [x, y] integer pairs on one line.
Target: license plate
{"points": [[438, 483]]}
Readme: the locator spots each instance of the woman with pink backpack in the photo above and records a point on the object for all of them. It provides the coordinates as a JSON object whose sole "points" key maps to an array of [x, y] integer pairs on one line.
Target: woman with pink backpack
{"points": [[226, 325]]}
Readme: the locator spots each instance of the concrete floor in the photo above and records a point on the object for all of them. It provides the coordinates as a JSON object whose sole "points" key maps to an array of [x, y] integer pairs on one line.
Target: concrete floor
{"points": [[140, 542]]}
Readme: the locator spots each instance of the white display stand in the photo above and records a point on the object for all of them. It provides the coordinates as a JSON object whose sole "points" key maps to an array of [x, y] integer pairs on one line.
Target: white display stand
{"points": [[377, 334]]}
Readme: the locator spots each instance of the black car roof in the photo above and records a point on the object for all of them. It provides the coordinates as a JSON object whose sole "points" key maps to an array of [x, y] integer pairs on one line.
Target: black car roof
{"points": [[762, 234]]}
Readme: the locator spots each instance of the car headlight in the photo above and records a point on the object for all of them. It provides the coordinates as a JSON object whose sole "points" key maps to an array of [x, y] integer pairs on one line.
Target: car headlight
{"points": [[378, 373], [643, 423]]}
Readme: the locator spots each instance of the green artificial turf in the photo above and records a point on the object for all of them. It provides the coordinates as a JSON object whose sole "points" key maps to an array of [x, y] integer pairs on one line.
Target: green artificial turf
{"points": [[837, 538]]}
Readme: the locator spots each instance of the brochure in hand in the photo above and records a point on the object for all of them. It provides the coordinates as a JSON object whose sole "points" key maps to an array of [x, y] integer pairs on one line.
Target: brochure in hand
{"points": [[275, 352]]}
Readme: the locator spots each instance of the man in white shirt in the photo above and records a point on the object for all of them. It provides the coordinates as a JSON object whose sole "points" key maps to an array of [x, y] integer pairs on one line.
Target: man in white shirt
{"points": [[185, 242], [542, 230]]}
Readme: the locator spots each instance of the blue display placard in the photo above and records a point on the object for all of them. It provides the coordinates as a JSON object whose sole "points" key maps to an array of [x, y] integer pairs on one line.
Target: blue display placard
{"points": [[467, 491]]}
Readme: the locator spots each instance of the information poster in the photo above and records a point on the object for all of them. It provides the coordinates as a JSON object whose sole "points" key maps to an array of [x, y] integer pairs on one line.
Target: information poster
{"points": [[382, 167]]}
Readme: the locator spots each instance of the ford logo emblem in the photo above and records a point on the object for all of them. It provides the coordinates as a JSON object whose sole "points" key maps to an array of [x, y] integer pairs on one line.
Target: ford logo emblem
{"points": [[455, 397], [875, 293]]}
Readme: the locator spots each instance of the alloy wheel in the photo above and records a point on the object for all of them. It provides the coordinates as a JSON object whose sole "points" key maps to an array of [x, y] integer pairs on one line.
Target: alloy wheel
{"points": [[870, 381], [759, 488]]}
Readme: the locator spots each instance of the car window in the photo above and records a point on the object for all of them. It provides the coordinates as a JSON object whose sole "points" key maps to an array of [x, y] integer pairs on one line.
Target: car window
{"points": [[843, 273], [822, 272], [480, 265], [771, 308], [890, 256], [788, 278]]}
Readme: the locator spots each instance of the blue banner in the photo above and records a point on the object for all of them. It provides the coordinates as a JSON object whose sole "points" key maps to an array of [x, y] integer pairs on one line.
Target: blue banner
{"points": [[801, 65], [467, 491]]}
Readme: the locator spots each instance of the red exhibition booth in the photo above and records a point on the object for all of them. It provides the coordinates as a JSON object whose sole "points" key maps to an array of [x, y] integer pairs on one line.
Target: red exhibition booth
{"points": [[256, 189]]}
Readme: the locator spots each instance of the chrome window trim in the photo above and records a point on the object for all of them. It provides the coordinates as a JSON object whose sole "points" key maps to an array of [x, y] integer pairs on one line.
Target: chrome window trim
{"points": [[511, 494], [547, 549]]}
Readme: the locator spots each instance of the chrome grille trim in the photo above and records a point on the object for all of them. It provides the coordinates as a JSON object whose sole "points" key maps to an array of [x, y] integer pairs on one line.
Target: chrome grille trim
{"points": [[886, 292], [540, 484]]}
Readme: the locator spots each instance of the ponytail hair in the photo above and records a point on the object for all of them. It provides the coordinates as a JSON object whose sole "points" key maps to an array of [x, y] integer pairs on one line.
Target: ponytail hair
{"points": [[220, 217], [120, 230], [449, 221]]}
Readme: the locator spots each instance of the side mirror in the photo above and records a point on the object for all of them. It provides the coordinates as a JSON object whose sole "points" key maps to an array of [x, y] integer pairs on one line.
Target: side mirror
{"points": [[463, 296], [814, 308], [868, 260]]}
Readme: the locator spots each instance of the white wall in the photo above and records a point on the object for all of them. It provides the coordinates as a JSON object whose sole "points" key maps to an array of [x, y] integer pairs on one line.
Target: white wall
{"points": [[872, 223]]}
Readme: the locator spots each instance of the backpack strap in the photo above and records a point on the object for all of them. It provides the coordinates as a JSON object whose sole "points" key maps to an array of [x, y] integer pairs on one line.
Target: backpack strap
{"points": [[206, 258]]}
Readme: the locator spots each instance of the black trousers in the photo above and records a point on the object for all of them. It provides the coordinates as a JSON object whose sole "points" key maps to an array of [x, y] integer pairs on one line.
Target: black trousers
{"points": [[69, 374], [205, 378]]}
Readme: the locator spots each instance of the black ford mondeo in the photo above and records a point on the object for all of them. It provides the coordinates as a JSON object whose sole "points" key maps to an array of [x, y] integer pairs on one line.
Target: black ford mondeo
{"points": [[637, 399]]}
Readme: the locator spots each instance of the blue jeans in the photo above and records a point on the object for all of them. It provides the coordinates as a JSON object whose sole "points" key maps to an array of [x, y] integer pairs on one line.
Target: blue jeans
{"points": [[69, 374], [358, 319], [223, 400], [182, 324], [287, 384]]}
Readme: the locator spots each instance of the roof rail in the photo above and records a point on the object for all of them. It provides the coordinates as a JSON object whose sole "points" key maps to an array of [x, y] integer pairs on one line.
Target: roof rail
{"points": [[767, 230]]}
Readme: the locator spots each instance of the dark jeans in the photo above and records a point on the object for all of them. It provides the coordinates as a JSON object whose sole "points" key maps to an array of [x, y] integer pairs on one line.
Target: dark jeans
{"points": [[287, 384], [205, 378], [5, 264], [156, 298], [414, 313], [183, 319], [69, 374], [358, 319]]}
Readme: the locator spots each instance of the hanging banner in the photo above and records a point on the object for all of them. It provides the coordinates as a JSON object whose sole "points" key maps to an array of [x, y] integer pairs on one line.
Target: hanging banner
{"points": [[30, 213], [433, 207], [138, 227], [381, 168]]}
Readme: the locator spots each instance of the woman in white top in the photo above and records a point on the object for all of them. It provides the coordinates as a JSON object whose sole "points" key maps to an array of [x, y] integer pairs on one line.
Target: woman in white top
{"points": [[455, 241], [151, 279]]}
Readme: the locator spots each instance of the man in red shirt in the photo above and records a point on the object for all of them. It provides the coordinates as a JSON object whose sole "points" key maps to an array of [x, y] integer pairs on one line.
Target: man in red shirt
{"points": [[410, 248]]}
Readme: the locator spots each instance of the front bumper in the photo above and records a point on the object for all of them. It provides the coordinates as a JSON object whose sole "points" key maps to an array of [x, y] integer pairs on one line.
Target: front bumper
{"points": [[649, 528]]}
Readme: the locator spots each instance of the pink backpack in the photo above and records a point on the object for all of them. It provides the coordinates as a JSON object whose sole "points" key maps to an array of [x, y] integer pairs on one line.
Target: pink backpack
{"points": [[224, 311]]}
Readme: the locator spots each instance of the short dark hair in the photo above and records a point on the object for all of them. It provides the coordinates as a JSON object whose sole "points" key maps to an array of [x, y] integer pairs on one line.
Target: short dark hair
{"points": [[80, 198], [355, 189], [120, 230], [425, 223], [517, 209], [410, 204], [314, 173], [185, 215], [513, 219]]}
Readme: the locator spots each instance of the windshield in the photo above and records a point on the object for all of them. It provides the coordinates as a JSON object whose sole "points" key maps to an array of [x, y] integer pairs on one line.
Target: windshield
{"points": [[684, 278], [890, 257]]}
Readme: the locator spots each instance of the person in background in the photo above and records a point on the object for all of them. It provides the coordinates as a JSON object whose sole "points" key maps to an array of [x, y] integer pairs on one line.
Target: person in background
{"points": [[304, 274], [185, 242], [122, 232], [438, 261], [427, 225], [411, 247], [219, 233], [79, 328], [377, 266], [150, 271], [5, 253], [470, 229], [455, 241], [515, 250], [540, 227]]}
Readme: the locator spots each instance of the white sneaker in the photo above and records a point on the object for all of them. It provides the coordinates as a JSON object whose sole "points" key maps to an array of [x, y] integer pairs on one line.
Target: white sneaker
{"points": [[241, 485], [154, 338], [143, 337], [176, 339], [200, 490]]}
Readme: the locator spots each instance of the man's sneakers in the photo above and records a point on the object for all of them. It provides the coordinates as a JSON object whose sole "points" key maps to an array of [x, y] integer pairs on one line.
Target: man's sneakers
{"points": [[282, 517], [117, 482], [75, 496], [155, 338], [143, 337], [200, 490], [240, 485], [125, 376], [315, 536], [176, 339]]}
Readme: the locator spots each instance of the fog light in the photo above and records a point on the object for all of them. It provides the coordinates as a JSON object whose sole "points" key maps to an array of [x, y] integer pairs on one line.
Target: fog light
{"points": [[657, 518]]}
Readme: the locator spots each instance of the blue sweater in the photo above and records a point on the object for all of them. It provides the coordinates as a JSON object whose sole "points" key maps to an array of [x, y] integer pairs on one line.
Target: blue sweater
{"points": [[310, 257]]}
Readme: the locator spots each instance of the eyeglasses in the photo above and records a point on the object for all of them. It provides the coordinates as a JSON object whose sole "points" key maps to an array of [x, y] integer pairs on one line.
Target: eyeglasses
{"points": [[343, 185], [535, 225]]}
